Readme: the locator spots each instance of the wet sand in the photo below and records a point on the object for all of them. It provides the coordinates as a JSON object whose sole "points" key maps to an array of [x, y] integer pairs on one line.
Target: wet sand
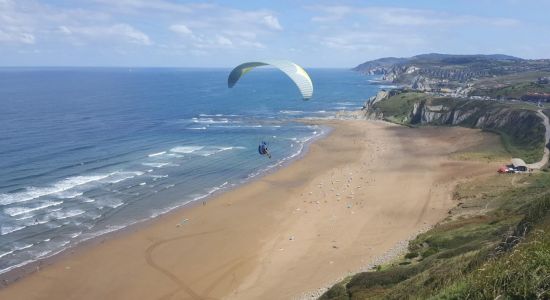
{"points": [[356, 194]]}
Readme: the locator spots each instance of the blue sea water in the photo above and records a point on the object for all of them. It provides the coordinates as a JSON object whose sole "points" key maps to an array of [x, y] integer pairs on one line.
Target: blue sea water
{"points": [[86, 151]]}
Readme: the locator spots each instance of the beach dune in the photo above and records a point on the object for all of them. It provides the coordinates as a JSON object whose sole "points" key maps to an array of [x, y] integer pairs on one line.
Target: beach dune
{"points": [[356, 195]]}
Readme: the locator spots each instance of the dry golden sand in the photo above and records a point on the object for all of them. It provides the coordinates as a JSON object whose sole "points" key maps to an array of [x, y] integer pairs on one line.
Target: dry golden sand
{"points": [[353, 196]]}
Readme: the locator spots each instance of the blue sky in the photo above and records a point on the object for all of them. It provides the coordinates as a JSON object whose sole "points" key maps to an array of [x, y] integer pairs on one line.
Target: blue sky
{"points": [[225, 33]]}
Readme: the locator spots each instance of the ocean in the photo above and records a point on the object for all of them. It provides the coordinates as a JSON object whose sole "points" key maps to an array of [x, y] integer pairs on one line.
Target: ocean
{"points": [[87, 151]]}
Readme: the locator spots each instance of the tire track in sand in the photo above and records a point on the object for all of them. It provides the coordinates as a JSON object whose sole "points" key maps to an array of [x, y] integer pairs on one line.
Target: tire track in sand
{"points": [[232, 264], [181, 284]]}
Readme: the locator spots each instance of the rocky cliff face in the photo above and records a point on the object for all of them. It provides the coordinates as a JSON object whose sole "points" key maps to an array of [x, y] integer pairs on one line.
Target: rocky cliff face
{"points": [[496, 118], [522, 130], [368, 112]]}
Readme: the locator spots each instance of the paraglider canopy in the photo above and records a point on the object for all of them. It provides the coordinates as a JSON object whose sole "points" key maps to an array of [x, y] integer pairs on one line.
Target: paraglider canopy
{"points": [[298, 75]]}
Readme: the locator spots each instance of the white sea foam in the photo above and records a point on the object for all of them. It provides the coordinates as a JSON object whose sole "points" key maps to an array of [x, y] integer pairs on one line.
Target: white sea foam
{"points": [[158, 165], [19, 210], [121, 176], [240, 126], [217, 188], [69, 194], [15, 266], [156, 154], [25, 246], [56, 248], [211, 120], [36, 192], [291, 112], [5, 229], [157, 212], [207, 151], [157, 177], [37, 221], [108, 229], [60, 215], [5, 253], [186, 149], [76, 234], [108, 202], [87, 200], [218, 115], [24, 217], [197, 128], [42, 254]]}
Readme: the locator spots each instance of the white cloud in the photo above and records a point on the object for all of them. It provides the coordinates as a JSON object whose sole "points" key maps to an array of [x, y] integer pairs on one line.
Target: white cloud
{"points": [[249, 44], [272, 22], [251, 35], [397, 16], [137, 5], [14, 26], [30, 22], [15, 36], [357, 41], [119, 32], [223, 41], [331, 12], [181, 29], [217, 27], [373, 31], [194, 25]]}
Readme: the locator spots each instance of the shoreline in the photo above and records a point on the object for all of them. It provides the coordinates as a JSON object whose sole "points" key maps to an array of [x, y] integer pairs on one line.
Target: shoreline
{"points": [[28, 268], [267, 233]]}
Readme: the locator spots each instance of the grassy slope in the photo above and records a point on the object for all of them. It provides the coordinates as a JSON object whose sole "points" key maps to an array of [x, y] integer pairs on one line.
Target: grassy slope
{"points": [[473, 253], [516, 90], [397, 108], [521, 139]]}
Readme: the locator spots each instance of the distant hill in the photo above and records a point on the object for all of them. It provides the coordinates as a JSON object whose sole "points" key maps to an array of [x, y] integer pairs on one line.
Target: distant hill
{"points": [[449, 72], [435, 59]]}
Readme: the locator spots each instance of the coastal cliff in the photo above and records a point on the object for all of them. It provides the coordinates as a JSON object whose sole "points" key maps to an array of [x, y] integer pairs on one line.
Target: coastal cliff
{"points": [[520, 128], [457, 75]]}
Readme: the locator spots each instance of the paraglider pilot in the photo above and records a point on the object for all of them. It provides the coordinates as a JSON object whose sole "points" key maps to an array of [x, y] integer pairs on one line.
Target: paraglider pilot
{"points": [[262, 149]]}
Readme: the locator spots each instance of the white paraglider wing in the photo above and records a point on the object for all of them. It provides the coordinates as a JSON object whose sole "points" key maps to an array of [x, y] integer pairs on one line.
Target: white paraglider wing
{"points": [[298, 75]]}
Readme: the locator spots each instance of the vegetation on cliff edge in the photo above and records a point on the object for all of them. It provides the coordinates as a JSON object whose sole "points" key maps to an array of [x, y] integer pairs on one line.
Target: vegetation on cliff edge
{"points": [[521, 130], [496, 242]]}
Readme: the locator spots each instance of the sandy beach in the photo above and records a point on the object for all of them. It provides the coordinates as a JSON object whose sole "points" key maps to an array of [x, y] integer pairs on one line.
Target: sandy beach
{"points": [[353, 197]]}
